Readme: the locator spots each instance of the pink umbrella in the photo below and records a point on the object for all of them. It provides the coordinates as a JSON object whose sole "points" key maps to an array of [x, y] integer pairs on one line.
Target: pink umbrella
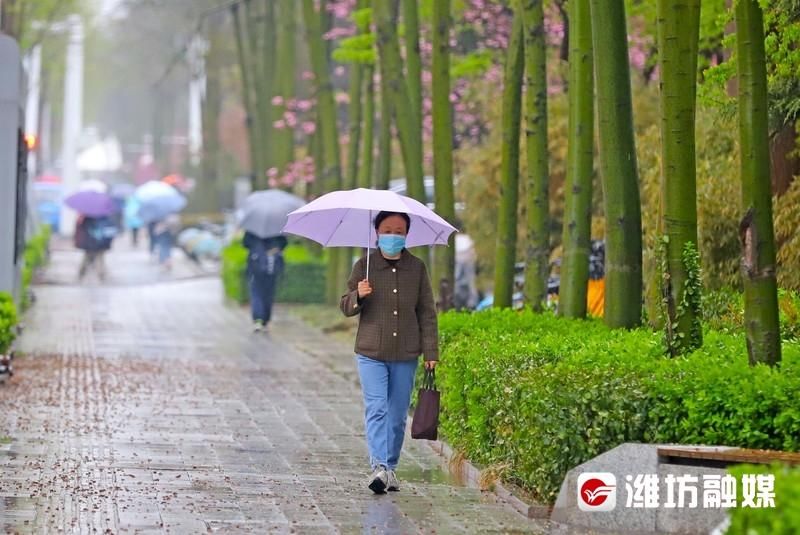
{"points": [[345, 219]]}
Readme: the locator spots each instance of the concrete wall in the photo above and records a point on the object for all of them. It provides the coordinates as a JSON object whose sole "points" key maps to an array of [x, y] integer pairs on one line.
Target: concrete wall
{"points": [[10, 115]]}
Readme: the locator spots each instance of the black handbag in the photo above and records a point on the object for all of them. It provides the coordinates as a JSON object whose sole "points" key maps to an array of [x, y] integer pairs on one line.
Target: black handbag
{"points": [[425, 424]]}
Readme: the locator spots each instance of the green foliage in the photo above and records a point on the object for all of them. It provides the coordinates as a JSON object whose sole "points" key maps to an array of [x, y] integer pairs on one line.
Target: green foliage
{"points": [[34, 257], [690, 300], [782, 50], [786, 211], [303, 279], [356, 49], [723, 310], [234, 265], [8, 322], [471, 65], [543, 394], [784, 518], [363, 19]]}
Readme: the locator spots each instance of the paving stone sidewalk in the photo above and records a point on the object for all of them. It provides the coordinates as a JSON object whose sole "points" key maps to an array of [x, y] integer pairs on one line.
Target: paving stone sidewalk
{"points": [[145, 404]]}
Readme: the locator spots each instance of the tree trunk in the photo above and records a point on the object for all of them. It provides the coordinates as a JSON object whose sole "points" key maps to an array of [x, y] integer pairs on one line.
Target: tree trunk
{"points": [[623, 287], [678, 33], [385, 13], [10, 18], [365, 168], [384, 171], [354, 122], [413, 60], [785, 163], [212, 107], [260, 90], [331, 173], [756, 231], [285, 67], [269, 75], [444, 264], [509, 168], [577, 232], [247, 101], [537, 250]]}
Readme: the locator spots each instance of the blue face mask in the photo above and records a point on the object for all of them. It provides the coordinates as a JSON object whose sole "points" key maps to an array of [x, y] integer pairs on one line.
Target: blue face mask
{"points": [[391, 244]]}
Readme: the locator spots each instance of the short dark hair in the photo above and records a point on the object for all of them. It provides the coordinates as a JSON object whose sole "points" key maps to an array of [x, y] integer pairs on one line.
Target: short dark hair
{"points": [[383, 215]]}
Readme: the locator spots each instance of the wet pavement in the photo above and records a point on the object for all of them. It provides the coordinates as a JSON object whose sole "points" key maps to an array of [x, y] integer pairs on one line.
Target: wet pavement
{"points": [[145, 404]]}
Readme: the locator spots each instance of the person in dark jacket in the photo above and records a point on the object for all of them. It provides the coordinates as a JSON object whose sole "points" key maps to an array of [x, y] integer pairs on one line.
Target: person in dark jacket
{"points": [[93, 235], [264, 267], [397, 323]]}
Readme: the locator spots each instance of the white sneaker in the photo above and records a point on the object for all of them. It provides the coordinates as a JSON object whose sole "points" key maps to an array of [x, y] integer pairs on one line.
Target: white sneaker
{"points": [[258, 326], [378, 480], [393, 484]]}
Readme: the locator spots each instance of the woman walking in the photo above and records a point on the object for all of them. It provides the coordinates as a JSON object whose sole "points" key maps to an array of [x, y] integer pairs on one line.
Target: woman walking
{"points": [[397, 324]]}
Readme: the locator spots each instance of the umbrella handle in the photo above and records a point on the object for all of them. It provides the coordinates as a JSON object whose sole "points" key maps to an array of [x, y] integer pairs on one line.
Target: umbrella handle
{"points": [[369, 234]]}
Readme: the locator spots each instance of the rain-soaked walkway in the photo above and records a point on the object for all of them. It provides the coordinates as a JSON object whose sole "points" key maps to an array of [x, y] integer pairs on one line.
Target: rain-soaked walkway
{"points": [[145, 404]]}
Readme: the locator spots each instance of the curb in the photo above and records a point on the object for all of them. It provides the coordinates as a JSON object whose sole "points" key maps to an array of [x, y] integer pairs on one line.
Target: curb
{"points": [[471, 475]]}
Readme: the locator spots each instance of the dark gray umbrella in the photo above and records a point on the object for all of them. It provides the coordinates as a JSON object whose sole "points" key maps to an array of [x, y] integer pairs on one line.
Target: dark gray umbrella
{"points": [[264, 213]]}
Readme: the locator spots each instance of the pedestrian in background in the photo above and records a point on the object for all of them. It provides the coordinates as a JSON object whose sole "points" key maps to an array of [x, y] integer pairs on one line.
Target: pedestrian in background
{"points": [[164, 235], [397, 324], [93, 235], [132, 220], [264, 266]]}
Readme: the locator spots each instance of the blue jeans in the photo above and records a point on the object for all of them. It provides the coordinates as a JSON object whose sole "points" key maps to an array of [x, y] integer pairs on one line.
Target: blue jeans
{"points": [[164, 243], [262, 295], [387, 390]]}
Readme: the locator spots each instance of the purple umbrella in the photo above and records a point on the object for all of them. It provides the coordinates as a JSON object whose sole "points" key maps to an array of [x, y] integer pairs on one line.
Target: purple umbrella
{"points": [[91, 203], [344, 219]]}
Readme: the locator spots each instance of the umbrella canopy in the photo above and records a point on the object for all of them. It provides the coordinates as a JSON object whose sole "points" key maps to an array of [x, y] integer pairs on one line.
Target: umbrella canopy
{"points": [[157, 200], [93, 185], [153, 189], [344, 219], [91, 203], [264, 212], [158, 208]]}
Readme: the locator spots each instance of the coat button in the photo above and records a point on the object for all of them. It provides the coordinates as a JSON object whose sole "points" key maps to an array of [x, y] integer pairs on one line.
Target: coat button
{"points": [[395, 290], [394, 334], [395, 313], [394, 270]]}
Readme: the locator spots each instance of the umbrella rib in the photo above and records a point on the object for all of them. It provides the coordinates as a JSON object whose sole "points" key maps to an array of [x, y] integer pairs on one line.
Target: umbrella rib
{"points": [[438, 234], [339, 224]]}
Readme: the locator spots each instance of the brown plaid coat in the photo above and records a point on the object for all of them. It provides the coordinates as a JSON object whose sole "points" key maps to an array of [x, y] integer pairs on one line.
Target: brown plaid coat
{"points": [[398, 320]]}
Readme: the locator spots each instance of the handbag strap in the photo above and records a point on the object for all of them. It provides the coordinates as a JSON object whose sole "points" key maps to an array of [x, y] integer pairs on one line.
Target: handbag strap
{"points": [[429, 380]]}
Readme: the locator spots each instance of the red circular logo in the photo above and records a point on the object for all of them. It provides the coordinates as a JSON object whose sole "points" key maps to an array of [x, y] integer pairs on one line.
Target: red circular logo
{"points": [[594, 492]]}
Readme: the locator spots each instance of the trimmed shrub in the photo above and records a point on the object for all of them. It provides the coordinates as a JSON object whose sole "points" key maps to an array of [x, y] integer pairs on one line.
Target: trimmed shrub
{"points": [[303, 279], [234, 278], [784, 518], [34, 257], [542, 394], [8, 322]]}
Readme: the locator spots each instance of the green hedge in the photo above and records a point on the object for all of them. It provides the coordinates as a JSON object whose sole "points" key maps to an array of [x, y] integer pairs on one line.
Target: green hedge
{"points": [[784, 518], [34, 257], [541, 394], [8, 322], [303, 280]]}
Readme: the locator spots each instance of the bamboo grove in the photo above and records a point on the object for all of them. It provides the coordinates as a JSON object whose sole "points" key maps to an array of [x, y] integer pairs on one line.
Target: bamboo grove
{"points": [[385, 109]]}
